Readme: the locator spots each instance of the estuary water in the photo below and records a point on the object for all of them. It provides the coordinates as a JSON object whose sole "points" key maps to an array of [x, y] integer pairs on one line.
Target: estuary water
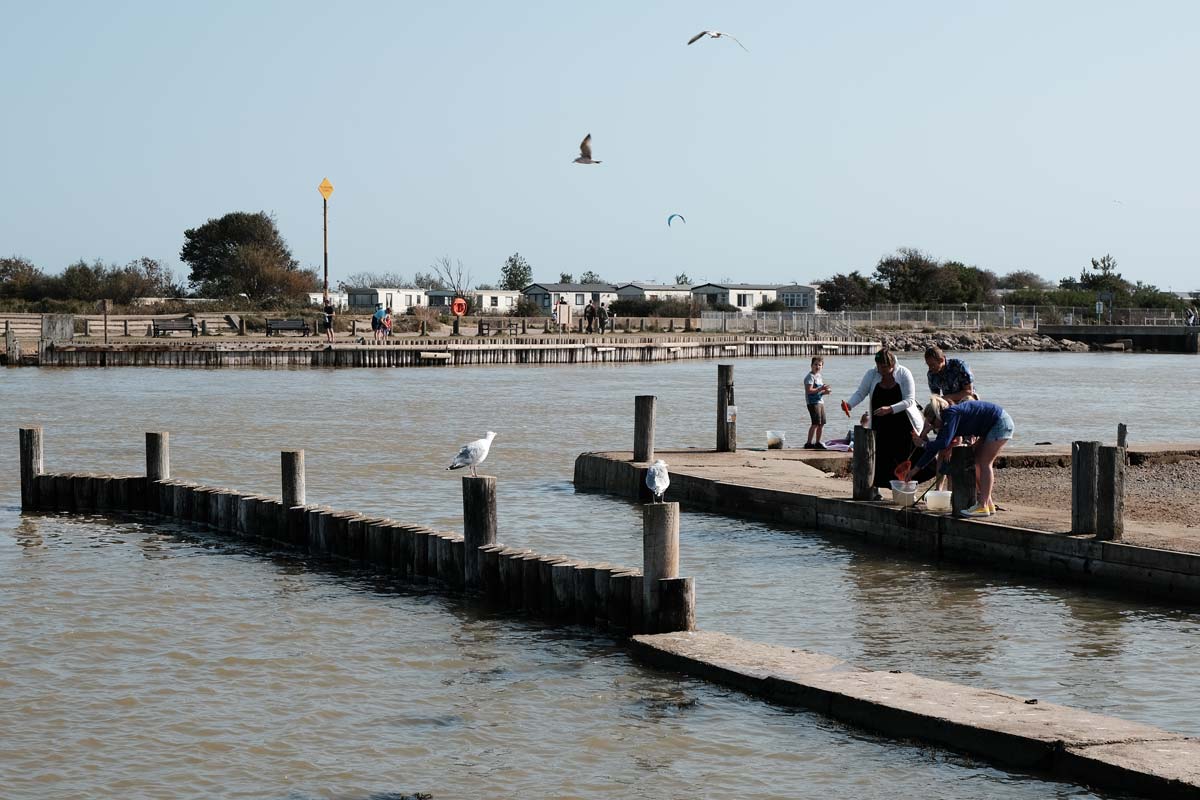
{"points": [[139, 659]]}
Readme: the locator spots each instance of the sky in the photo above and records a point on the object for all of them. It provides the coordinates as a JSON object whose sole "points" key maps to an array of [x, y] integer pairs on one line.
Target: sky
{"points": [[1012, 135]]}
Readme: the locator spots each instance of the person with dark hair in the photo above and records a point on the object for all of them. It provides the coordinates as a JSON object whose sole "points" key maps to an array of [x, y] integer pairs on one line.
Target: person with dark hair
{"points": [[329, 310], [949, 377], [589, 315], [602, 317]]}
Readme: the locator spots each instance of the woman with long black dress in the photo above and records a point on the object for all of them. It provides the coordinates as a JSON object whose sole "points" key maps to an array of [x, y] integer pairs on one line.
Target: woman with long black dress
{"points": [[894, 414]]}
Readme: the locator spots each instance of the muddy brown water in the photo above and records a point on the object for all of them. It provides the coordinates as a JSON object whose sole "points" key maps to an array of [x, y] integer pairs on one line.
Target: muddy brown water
{"points": [[138, 659]]}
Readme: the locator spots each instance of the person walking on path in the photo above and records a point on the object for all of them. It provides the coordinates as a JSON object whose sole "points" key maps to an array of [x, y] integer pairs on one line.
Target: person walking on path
{"points": [[815, 390], [989, 422], [589, 315], [894, 415], [949, 377], [602, 317], [329, 310], [377, 322]]}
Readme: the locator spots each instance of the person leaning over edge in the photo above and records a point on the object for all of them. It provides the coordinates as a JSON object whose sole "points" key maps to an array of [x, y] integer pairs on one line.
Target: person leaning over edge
{"points": [[949, 377], [989, 422]]}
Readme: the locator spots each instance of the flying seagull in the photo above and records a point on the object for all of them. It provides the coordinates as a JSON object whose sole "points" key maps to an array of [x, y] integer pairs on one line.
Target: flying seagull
{"points": [[585, 152], [715, 35], [673, 216], [473, 454], [658, 479]]}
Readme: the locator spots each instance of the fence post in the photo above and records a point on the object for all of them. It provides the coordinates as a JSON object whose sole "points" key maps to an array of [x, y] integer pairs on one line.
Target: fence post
{"points": [[1084, 462], [660, 556], [1110, 506], [726, 410], [863, 463], [292, 463], [962, 479], [643, 427], [158, 455], [479, 525], [1122, 433], [30, 440]]}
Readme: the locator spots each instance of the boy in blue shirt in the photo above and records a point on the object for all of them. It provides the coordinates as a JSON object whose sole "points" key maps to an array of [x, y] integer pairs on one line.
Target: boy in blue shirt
{"points": [[814, 392]]}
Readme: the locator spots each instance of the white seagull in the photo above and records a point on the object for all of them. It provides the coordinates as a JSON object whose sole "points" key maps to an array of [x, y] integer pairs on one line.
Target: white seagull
{"points": [[658, 479], [715, 35], [585, 152], [473, 453]]}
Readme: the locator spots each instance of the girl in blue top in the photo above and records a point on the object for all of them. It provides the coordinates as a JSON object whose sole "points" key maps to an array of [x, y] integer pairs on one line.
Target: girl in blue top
{"points": [[986, 420]]}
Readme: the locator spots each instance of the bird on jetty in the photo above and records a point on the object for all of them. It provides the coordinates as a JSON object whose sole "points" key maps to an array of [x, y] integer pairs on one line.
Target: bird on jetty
{"points": [[715, 35], [658, 479], [473, 453], [585, 152]]}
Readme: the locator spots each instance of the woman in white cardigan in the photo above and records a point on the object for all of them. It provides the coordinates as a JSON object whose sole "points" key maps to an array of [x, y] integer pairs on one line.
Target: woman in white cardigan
{"points": [[893, 411]]}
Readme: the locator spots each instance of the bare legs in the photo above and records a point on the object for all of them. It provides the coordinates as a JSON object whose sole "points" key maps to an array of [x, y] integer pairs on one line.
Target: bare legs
{"points": [[985, 476]]}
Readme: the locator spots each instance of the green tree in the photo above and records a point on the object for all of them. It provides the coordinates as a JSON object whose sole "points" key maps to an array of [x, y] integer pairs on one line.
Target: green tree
{"points": [[428, 280], [590, 277], [218, 249], [846, 292], [566, 277], [1022, 279], [516, 273], [682, 279], [908, 275], [1104, 277], [19, 277]]}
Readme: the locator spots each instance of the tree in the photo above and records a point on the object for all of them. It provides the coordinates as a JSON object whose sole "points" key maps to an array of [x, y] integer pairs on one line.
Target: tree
{"points": [[453, 275], [908, 275], [212, 252], [19, 277], [363, 280], [1105, 277], [682, 279], [516, 273], [1022, 279], [261, 277], [566, 277], [590, 277], [428, 280], [845, 292]]}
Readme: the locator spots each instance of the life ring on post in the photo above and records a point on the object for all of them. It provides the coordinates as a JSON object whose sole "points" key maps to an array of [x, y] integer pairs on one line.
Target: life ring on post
{"points": [[459, 306]]}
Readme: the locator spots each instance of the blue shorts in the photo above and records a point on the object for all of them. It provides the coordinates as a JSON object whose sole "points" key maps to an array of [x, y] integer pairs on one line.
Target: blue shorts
{"points": [[1002, 430]]}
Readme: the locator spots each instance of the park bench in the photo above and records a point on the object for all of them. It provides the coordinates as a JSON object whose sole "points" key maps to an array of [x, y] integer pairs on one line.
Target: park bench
{"points": [[280, 325], [486, 327], [164, 326]]}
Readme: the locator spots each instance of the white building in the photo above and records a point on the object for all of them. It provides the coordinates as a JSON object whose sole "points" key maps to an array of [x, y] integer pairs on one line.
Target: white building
{"points": [[400, 299], [488, 301], [800, 297], [578, 295], [340, 300], [743, 296], [654, 291]]}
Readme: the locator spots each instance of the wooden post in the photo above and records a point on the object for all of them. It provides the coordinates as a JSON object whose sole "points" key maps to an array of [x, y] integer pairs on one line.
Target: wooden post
{"points": [[479, 524], [1084, 464], [12, 348], [158, 455], [1122, 432], [962, 479], [480, 322], [677, 605], [354, 327], [292, 463], [726, 420], [204, 327], [30, 440], [125, 325], [643, 427], [863, 463], [660, 556], [241, 327], [1110, 485]]}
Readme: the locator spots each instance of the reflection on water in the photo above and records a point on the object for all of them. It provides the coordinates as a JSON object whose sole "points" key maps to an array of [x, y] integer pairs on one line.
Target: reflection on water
{"points": [[166, 664]]}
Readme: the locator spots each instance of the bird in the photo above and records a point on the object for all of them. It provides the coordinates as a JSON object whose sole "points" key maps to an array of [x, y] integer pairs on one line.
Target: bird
{"points": [[585, 152], [473, 453], [715, 35], [673, 216], [658, 479]]}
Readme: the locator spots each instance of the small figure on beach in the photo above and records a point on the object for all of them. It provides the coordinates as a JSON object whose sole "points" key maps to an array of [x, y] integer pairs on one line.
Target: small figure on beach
{"points": [[589, 315], [329, 311], [949, 377], [978, 418], [377, 322], [602, 317], [387, 321], [815, 390]]}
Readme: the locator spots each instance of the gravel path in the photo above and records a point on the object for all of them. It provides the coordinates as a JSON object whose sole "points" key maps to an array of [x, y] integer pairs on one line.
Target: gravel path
{"points": [[1167, 493]]}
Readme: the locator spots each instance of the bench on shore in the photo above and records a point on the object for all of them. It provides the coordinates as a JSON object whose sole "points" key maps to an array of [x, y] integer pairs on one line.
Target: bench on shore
{"points": [[160, 327], [279, 325], [486, 326]]}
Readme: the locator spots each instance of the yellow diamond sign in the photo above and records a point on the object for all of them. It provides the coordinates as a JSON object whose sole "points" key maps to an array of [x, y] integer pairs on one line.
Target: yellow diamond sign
{"points": [[326, 188]]}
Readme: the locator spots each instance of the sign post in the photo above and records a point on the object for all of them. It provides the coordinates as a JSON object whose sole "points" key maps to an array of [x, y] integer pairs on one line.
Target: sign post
{"points": [[1099, 310], [105, 309], [326, 189]]}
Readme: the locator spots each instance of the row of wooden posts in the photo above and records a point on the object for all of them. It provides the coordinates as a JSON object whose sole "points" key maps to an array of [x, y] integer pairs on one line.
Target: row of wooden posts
{"points": [[654, 599]]}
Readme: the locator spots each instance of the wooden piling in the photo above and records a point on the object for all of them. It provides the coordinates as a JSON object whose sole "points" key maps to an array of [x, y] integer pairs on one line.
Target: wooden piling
{"points": [[292, 464], [643, 427], [862, 463], [619, 591], [489, 570], [1110, 494], [479, 523], [562, 577], [660, 554], [1085, 459], [677, 605], [963, 493], [726, 422], [30, 442], [585, 594], [1122, 434], [531, 582]]}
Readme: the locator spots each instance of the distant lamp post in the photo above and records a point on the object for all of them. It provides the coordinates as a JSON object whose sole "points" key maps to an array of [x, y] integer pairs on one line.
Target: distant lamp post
{"points": [[326, 189]]}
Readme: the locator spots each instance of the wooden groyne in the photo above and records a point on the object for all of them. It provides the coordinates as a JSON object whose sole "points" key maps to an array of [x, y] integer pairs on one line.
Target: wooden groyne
{"points": [[441, 352]]}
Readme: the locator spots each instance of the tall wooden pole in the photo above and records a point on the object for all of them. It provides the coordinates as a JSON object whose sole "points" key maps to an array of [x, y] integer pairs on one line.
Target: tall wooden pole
{"points": [[726, 421], [292, 464], [325, 238], [31, 464], [479, 525], [863, 463], [1084, 465], [660, 556], [1110, 494], [158, 455], [643, 427]]}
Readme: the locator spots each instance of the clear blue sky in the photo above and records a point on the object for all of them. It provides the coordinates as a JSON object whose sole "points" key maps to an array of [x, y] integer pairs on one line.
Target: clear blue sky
{"points": [[998, 134]]}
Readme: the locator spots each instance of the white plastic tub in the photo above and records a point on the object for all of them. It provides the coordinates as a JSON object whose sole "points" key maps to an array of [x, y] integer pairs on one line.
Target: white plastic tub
{"points": [[937, 500]]}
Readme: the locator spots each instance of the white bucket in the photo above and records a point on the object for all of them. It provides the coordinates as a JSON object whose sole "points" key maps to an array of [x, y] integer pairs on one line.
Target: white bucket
{"points": [[902, 498], [776, 439], [937, 500]]}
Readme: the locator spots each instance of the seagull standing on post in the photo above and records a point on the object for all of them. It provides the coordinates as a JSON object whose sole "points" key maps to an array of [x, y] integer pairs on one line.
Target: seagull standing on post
{"points": [[658, 479], [715, 35], [585, 152], [473, 454]]}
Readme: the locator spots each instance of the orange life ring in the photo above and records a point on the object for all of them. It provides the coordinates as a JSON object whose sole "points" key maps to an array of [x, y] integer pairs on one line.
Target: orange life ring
{"points": [[459, 306]]}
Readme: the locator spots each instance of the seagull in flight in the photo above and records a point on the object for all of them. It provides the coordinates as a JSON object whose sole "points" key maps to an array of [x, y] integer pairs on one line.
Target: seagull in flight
{"points": [[658, 479], [715, 35], [585, 152], [473, 453]]}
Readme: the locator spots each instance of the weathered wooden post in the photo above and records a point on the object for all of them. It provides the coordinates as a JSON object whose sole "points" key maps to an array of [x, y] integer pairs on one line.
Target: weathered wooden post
{"points": [[12, 348], [643, 427], [158, 455], [677, 605], [125, 327], [1110, 506], [30, 440], [1084, 464], [726, 410], [660, 556], [1122, 433], [962, 479], [862, 463], [524, 326], [292, 463], [480, 323], [241, 327], [204, 327], [479, 525]]}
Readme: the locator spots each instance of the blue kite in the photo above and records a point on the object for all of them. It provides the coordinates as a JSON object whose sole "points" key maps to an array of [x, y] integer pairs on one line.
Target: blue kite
{"points": [[673, 216]]}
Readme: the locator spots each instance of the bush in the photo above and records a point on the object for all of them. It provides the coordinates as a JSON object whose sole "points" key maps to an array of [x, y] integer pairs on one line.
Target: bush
{"points": [[771, 305], [528, 307], [636, 307]]}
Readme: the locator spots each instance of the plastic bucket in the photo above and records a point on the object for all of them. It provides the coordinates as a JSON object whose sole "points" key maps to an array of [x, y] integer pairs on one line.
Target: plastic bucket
{"points": [[937, 500], [776, 439]]}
